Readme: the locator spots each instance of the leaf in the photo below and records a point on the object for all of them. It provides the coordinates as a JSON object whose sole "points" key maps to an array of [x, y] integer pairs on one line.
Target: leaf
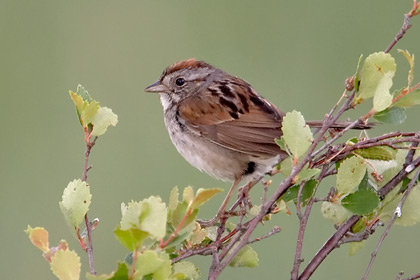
{"points": [[246, 257], [393, 115], [375, 67], [148, 215], [410, 59], [202, 196], [350, 174], [131, 238], [83, 93], [334, 212], [102, 120], [150, 263], [357, 74], [307, 191], [185, 270], [66, 265], [296, 133], [173, 199], [361, 202], [188, 195], [38, 237], [410, 214], [89, 112], [409, 100], [120, 274], [155, 222], [75, 202], [382, 98], [378, 153], [281, 143]]}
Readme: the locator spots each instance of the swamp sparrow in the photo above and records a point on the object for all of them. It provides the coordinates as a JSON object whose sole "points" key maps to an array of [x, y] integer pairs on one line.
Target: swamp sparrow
{"points": [[219, 123]]}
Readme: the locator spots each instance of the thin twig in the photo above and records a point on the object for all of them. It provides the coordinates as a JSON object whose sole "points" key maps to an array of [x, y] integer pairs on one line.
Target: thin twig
{"points": [[86, 168]]}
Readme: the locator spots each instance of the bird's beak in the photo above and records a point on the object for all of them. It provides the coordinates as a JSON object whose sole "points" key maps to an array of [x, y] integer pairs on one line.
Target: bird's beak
{"points": [[157, 87]]}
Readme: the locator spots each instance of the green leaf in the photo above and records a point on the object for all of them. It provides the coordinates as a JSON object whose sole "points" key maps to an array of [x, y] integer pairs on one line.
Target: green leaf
{"points": [[188, 195], [307, 191], [335, 212], [410, 59], [131, 238], [393, 115], [246, 257], [202, 196], [374, 69], [382, 98], [173, 199], [185, 270], [350, 174], [296, 133], [281, 143], [102, 120], [120, 274], [361, 202], [409, 100], [83, 93], [410, 214], [148, 215], [154, 264], [378, 153], [75, 202], [357, 74], [65, 264], [89, 112], [179, 213]]}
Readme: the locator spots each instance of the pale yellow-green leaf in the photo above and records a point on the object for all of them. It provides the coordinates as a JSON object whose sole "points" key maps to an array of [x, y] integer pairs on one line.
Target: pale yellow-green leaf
{"points": [[173, 199], [102, 120], [296, 133], [355, 246], [246, 257], [75, 202], [382, 98], [374, 68], [335, 212], [198, 234], [38, 237], [410, 59], [410, 214], [202, 196], [89, 112], [211, 232], [130, 215], [155, 222], [148, 215], [66, 265], [188, 195], [350, 174], [185, 270], [151, 263]]}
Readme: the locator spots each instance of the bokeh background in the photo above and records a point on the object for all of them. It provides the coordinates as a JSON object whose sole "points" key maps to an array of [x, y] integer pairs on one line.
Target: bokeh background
{"points": [[295, 53]]}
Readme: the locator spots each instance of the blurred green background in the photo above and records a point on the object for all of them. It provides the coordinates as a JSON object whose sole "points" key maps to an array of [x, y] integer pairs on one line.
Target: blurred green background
{"points": [[297, 54]]}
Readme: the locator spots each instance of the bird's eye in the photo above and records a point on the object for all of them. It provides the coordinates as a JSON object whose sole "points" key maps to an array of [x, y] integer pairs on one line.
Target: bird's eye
{"points": [[180, 81]]}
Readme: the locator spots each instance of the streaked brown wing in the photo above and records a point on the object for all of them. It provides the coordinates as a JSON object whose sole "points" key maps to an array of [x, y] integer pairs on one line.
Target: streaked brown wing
{"points": [[247, 123]]}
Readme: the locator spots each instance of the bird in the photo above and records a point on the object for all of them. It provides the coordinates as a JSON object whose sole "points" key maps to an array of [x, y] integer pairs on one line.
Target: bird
{"points": [[220, 124]]}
